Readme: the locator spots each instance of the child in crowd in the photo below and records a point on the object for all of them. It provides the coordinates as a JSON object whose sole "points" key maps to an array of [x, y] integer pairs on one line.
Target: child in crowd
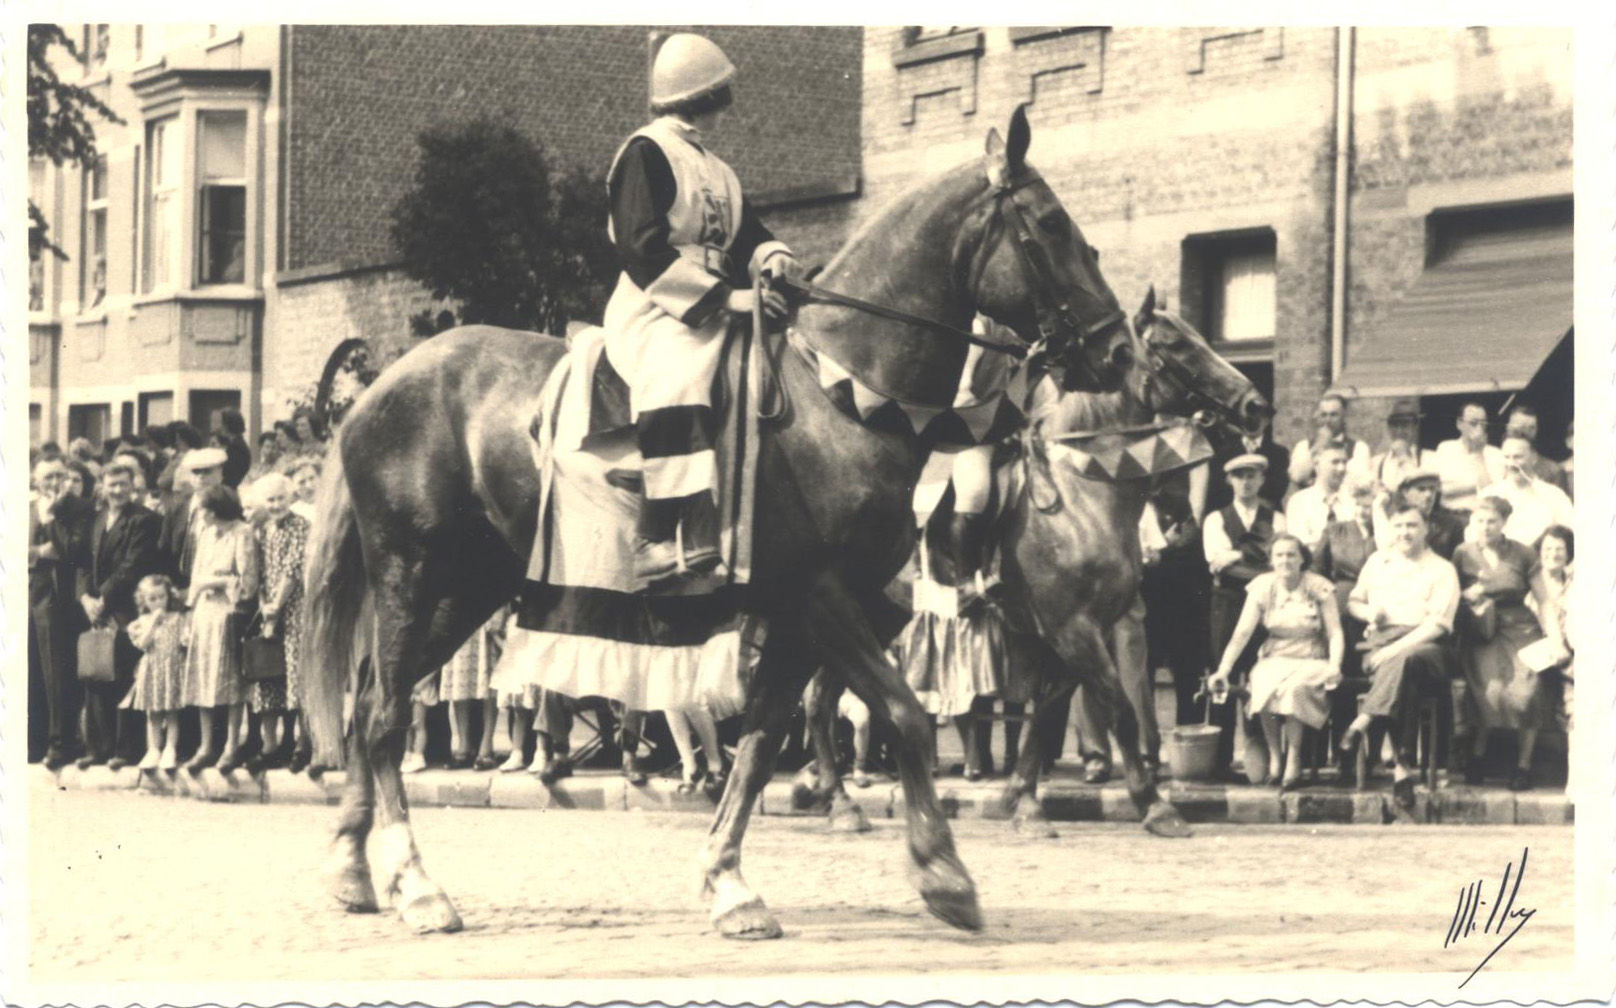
{"points": [[160, 632]]}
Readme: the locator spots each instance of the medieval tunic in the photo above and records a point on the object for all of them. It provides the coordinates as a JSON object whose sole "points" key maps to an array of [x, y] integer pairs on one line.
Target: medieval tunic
{"points": [[686, 236]]}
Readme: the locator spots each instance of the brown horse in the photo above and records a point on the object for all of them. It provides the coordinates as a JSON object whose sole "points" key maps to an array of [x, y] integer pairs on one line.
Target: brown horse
{"points": [[429, 513], [1070, 558]]}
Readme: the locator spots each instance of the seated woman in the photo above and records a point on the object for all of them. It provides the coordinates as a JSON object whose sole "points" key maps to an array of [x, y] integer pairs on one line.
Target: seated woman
{"points": [[1495, 576], [1406, 597], [1298, 663]]}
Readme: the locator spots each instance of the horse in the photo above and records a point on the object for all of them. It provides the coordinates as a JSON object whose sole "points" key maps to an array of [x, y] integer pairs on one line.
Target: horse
{"points": [[428, 512], [1070, 559]]}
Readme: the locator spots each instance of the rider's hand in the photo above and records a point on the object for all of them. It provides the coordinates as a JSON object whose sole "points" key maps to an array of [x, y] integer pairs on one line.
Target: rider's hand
{"points": [[780, 266], [741, 300]]}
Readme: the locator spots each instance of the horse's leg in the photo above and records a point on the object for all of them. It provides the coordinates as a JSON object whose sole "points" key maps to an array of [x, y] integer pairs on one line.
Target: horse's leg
{"points": [[737, 911], [350, 869], [1020, 797], [406, 644], [827, 790], [1160, 817], [846, 642]]}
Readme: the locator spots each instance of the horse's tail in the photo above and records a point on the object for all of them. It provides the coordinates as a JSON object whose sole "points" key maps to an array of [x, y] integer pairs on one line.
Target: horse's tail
{"points": [[334, 607]]}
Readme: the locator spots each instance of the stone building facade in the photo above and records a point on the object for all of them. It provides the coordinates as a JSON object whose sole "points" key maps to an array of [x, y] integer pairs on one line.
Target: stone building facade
{"points": [[1202, 161]]}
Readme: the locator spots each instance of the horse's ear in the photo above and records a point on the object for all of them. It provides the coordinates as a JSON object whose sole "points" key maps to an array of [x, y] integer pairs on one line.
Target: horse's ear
{"points": [[1147, 310], [995, 144], [1015, 153]]}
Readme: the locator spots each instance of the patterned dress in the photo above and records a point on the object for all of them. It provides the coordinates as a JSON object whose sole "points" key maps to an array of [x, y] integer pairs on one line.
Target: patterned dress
{"points": [[1507, 693], [1292, 675], [213, 659], [160, 677], [281, 544]]}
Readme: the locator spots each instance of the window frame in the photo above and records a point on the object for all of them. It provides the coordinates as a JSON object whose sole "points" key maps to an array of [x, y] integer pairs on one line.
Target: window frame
{"points": [[173, 137], [202, 183], [96, 212], [1208, 256]]}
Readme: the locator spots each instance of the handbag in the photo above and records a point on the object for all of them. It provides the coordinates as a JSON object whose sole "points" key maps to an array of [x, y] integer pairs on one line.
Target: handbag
{"points": [[97, 647], [262, 657]]}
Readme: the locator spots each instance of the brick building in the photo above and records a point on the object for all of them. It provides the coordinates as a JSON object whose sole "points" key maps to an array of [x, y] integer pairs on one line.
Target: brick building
{"points": [[1201, 160], [236, 229]]}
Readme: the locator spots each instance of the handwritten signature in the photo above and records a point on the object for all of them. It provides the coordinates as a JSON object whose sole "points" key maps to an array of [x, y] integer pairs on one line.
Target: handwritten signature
{"points": [[1503, 911]]}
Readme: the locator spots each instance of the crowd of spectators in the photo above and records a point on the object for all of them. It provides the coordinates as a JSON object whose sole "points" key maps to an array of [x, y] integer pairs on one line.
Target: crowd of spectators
{"points": [[1390, 584], [181, 544]]}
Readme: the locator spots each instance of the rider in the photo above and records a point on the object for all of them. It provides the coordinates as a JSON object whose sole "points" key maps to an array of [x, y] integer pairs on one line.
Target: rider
{"points": [[689, 244]]}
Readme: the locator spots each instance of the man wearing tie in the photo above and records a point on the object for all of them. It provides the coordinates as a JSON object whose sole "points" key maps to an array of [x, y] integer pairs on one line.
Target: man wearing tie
{"points": [[122, 549]]}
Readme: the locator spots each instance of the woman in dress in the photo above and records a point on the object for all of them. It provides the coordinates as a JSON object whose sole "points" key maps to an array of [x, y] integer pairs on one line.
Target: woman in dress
{"points": [[1298, 664], [281, 539], [1496, 574], [224, 578]]}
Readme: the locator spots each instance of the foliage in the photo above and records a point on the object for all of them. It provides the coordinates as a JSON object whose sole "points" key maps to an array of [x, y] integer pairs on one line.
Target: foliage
{"points": [[59, 126], [489, 226]]}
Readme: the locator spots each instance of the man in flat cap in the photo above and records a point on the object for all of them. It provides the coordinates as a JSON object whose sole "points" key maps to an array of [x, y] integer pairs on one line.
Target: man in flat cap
{"points": [[1236, 539]]}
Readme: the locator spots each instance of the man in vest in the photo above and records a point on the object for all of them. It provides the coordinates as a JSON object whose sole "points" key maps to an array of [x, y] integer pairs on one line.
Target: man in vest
{"points": [[1236, 539], [689, 245]]}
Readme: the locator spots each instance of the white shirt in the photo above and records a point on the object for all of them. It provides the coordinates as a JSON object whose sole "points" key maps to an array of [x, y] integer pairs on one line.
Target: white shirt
{"points": [[1301, 470], [1410, 591], [1535, 506], [1219, 548], [1309, 512], [1464, 472]]}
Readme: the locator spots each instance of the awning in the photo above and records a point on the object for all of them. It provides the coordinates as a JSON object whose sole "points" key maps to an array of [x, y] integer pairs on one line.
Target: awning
{"points": [[1480, 319]]}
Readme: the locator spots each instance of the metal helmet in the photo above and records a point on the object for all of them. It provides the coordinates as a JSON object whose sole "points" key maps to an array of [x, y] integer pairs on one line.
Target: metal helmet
{"points": [[687, 66]]}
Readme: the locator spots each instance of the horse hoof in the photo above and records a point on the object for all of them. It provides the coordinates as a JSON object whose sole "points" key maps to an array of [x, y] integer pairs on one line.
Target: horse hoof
{"points": [[950, 894], [849, 819], [1164, 821], [355, 892], [1034, 825], [748, 921], [430, 912]]}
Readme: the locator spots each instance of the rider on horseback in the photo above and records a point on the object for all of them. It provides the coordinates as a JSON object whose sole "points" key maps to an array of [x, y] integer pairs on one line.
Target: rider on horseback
{"points": [[689, 244]]}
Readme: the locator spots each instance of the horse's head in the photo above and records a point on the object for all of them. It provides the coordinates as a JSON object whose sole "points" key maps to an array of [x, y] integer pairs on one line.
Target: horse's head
{"points": [[1031, 269], [1177, 373]]}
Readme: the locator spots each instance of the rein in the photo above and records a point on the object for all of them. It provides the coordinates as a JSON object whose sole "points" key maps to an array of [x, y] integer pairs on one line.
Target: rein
{"points": [[810, 291]]}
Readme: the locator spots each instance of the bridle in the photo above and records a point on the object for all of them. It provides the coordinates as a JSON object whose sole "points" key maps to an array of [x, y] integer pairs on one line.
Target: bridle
{"points": [[1173, 373], [1053, 314]]}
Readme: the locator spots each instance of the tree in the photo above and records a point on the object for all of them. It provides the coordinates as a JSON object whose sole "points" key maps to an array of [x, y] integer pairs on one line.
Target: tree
{"points": [[488, 226], [59, 127]]}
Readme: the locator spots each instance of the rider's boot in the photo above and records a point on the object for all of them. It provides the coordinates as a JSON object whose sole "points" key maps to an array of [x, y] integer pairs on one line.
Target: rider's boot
{"points": [[656, 547]]}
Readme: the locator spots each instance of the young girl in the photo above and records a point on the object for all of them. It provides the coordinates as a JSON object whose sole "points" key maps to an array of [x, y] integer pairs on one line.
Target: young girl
{"points": [[160, 632]]}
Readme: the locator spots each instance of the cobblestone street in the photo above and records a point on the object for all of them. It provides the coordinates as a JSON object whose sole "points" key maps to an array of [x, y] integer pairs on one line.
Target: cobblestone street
{"points": [[177, 889]]}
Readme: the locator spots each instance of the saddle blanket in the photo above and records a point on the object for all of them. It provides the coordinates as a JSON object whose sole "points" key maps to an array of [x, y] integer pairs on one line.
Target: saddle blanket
{"points": [[583, 628]]}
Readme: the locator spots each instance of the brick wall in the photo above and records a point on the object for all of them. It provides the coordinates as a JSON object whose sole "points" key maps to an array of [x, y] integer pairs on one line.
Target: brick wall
{"points": [[1152, 135], [358, 95]]}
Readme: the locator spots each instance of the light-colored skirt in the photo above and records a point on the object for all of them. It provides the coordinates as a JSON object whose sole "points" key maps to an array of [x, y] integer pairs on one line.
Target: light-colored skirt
{"points": [[1293, 687], [213, 662]]}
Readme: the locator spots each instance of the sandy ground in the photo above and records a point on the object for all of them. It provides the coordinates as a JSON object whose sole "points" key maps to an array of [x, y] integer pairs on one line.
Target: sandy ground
{"points": [[136, 887]]}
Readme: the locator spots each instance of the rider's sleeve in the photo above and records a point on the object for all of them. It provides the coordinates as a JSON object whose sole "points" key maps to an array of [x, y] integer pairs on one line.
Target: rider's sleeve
{"points": [[754, 243], [642, 188]]}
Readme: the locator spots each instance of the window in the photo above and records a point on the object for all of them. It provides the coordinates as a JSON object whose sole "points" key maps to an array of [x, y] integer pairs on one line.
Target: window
{"points": [[90, 420], [36, 257], [1228, 287], [93, 265], [222, 211], [156, 409], [162, 203], [97, 40], [207, 404]]}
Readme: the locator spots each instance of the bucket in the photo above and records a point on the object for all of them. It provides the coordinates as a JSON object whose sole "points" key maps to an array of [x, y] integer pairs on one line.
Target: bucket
{"points": [[1194, 747]]}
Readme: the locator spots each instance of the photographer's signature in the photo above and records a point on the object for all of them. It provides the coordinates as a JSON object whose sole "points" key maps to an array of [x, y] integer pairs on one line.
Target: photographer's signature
{"points": [[1499, 919]]}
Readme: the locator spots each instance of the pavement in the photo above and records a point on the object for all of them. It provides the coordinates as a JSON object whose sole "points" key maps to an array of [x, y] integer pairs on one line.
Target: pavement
{"points": [[1063, 798], [122, 886]]}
